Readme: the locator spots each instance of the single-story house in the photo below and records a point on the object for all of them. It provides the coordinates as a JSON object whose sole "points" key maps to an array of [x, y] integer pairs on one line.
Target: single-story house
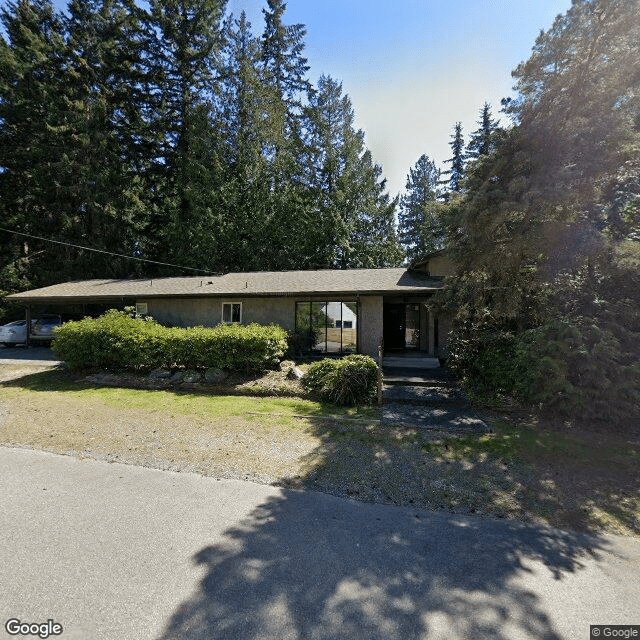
{"points": [[345, 311]]}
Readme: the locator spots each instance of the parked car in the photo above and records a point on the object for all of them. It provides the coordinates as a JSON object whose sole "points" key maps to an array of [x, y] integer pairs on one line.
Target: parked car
{"points": [[14, 332], [42, 330]]}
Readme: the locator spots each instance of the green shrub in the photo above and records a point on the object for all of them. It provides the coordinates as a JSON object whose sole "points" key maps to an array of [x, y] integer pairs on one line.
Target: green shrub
{"points": [[350, 380], [569, 367], [119, 342]]}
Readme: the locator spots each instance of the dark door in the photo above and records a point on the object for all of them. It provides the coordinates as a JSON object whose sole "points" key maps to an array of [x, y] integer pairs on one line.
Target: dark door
{"points": [[393, 318]]}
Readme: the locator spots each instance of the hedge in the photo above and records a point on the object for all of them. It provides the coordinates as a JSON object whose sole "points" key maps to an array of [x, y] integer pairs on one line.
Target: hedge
{"points": [[350, 380], [119, 342]]}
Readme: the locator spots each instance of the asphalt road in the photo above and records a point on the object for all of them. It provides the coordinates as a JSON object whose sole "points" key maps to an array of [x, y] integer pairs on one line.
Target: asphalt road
{"points": [[120, 552], [27, 355]]}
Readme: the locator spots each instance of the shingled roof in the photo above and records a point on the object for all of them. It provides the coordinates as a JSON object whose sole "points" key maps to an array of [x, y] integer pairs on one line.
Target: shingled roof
{"points": [[262, 283]]}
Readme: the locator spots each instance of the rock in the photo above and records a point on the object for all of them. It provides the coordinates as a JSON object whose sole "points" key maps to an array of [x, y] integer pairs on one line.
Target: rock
{"points": [[286, 365], [159, 374], [191, 376], [295, 373], [215, 375], [177, 376]]}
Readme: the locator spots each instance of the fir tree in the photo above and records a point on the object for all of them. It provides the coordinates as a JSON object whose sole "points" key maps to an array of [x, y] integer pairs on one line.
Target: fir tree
{"points": [[482, 140], [32, 126], [418, 209], [184, 40], [457, 160]]}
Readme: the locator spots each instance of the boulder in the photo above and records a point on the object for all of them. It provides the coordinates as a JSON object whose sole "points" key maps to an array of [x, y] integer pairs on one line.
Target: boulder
{"points": [[177, 376], [286, 365], [215, 376], [295, 373], [159, 374], [191, 376]]}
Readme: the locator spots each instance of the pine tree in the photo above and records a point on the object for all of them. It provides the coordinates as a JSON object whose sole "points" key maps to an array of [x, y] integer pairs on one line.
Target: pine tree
{"points": [[482, 140], [457, 160], [352, 216], [99, 183], [245, 131], [32, 117], [334, 150], [184, 40], [418, 209]]}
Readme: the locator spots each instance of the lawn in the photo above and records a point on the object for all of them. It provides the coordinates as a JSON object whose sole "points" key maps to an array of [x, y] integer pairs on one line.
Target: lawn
{"points": [[524, 469]]}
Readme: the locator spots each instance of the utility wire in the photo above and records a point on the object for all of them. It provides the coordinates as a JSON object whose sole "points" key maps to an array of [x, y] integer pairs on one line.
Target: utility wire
{"points": [[109, 253]]}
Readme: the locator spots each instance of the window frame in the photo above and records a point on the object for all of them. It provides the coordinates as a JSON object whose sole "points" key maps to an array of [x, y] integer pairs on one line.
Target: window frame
{"points": [[342, 302], [231, 304]]}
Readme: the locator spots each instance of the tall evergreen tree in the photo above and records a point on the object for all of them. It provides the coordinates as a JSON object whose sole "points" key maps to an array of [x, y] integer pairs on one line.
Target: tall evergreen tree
{"points": [[351, 211], [418, 209], [32, 118], [482, 140], [284, 73], [100, 180], [184, 40], [457, 160], [245, 132]]}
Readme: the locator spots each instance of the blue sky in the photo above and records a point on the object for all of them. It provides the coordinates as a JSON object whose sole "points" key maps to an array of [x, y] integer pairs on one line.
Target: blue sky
{"points": [[413, 68]]}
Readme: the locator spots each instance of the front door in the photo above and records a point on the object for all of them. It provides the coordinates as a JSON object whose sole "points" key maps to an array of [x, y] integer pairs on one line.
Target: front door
{"points": [[393, 318]]}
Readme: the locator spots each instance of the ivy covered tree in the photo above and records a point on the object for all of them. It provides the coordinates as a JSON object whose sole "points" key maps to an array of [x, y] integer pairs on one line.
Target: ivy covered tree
{"points": [[418, 228]]}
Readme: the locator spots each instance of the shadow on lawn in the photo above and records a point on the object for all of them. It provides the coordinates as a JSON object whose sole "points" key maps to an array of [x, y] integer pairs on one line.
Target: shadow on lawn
{"points": [[531, 473], [311, 566]]}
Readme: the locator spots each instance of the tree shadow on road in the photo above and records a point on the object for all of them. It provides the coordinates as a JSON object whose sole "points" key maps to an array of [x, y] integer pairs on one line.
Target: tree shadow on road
{"points": [[312, 566]]}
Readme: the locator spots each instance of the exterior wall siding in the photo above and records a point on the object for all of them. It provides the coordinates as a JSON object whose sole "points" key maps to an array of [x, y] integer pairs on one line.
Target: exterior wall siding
{"points": [[207, 312], [370, 325]]}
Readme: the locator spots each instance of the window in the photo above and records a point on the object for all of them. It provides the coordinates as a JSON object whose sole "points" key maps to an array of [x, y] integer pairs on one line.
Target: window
{"points": [[141, 308], [231, 312], [331, 326]]}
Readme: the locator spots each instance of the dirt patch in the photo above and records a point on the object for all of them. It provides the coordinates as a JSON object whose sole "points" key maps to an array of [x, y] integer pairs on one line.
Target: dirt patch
{"points": [[522, 469], [260, 449]]}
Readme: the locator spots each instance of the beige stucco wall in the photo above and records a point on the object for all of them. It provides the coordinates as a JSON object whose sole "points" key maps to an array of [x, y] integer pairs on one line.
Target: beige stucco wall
{"points": [[441, 266], [207, 312], [370, 335], [189, 312]]}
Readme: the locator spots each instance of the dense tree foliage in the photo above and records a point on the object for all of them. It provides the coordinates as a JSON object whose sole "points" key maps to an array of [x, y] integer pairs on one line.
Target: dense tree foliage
{"points": [[169, 131], [419, 228], [547, 236], [482, 140], [457, 161]]}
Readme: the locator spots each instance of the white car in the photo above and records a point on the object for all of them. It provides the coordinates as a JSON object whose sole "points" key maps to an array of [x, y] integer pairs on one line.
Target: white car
{"points": [[14, 332], [42, 330]]}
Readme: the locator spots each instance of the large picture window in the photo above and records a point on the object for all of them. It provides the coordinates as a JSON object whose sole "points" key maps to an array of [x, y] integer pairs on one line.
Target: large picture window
{"points": [[331, 327]]}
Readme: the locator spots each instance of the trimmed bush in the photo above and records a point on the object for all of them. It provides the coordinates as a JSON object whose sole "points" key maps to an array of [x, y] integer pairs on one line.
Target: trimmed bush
{"points": [[119, 342], [350, 380]]}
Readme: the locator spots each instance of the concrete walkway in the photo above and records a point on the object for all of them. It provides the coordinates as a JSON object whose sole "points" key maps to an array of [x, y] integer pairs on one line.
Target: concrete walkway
{"points": [[418, 392], [116, 552]]}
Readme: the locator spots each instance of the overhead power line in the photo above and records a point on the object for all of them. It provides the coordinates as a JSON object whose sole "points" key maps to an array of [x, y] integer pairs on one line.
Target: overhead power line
{"points": [[109, 253]]}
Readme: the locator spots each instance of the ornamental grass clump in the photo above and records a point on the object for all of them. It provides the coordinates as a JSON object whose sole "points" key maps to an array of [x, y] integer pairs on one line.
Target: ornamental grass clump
{"points": [[348, 381]]}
